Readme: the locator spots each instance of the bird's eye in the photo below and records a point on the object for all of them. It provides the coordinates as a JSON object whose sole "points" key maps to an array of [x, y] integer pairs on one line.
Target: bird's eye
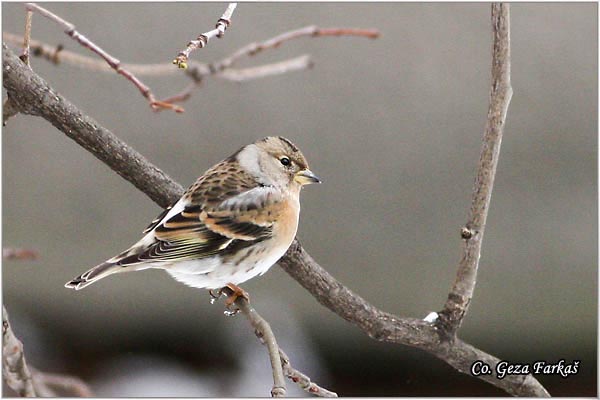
{"points": [[285, 161]]}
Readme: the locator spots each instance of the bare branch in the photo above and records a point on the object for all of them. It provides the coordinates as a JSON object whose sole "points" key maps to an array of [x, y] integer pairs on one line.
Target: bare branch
{"points": [[198, 71], [114, 63], [49, 52], [245, 74], [254, 48], [202, 40], [302, 380], [27, 37], [280, 362], [14, 366], [265, 334], [262, 71], [472, 233], [10, 253]]}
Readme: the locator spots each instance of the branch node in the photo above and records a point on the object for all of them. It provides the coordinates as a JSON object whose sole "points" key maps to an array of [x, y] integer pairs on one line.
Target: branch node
{"points": [[54, 57], [203, 39], [467, 233], [278, 391]]}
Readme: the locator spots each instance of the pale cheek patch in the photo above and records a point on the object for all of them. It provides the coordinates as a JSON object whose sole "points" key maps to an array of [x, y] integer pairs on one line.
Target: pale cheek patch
{"points": [[248, 159]]}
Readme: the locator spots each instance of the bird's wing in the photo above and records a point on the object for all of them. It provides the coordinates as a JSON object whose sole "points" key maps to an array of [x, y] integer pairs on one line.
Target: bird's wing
{"points": [[247, 216], [211, 218]]}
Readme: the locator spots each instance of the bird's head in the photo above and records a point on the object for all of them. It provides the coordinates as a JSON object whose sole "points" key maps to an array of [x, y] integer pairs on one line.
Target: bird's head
{"points": [[276, 161]]}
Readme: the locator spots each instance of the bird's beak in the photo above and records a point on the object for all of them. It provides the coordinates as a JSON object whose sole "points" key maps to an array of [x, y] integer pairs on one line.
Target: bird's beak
{"points": [[306, 177]]}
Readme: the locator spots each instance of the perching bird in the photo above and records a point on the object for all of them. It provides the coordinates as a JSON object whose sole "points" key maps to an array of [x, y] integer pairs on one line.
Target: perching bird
{"points": [[232, 224]]}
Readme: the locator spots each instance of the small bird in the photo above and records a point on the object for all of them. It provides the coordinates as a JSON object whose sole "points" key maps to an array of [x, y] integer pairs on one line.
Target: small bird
{"points": [[231, 225]]}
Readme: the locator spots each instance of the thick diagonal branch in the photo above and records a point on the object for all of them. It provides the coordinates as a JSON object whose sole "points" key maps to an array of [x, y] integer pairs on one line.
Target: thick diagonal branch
{"points": [[37, 98]]}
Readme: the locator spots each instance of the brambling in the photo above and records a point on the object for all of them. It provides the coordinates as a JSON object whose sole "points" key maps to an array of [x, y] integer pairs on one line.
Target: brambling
{"points": [[231, 225]]}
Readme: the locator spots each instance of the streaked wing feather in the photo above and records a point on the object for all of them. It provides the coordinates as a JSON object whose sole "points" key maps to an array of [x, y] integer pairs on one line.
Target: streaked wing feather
{"points": [[225, 210], [247, 216], [157, 220]]}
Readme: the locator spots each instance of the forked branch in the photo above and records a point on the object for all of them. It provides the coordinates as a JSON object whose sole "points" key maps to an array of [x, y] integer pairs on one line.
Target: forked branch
{"points": [[203, 39], [114, 63], [197, 71], [280, 362]]}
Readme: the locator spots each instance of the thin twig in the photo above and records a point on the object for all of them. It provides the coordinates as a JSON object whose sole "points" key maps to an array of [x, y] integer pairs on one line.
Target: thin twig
{"points": [[261, 71], [265, 334], [27, 86], [115, 64], [11, 253], [280, 362], [312, 31], [27, 37], [222, 24], [472, 233], [301, 379], [14, 366], [245, 74], [198, 71], [48, 52]]}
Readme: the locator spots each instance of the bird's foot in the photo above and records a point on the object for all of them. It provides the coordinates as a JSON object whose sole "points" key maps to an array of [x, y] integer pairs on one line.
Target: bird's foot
{"points": [[233, 292]]}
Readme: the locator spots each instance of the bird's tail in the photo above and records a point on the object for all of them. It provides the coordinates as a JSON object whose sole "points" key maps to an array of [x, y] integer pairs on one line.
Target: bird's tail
{"points": [[98, 272]]}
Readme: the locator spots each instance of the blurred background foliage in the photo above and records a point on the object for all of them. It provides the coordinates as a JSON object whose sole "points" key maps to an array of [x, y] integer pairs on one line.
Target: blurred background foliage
{"points": [[394, 128]]}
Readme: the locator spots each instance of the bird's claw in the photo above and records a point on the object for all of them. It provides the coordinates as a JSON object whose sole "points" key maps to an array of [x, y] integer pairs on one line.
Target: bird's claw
{"points": [[234, 292]]}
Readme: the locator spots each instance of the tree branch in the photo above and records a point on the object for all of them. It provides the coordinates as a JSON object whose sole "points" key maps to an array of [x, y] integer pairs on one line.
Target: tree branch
{"points": [[253, 49], [376, 323], [203, 39], [265, 334], [198, 71], [302, 380], [472, 233], [280, 362], [12, 253], [114, 63], [27, 36]]}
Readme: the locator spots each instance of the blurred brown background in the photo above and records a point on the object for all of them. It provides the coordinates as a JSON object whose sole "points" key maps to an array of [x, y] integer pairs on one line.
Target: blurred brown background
{"points": [[394, 128]]}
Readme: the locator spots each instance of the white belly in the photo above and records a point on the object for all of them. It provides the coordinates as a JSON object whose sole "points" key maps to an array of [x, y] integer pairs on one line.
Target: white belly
{"points": [[212, 273]]}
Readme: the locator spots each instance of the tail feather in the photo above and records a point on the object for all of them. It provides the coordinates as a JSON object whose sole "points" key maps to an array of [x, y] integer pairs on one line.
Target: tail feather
{"points": [[128, 260], [98, 272]]}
